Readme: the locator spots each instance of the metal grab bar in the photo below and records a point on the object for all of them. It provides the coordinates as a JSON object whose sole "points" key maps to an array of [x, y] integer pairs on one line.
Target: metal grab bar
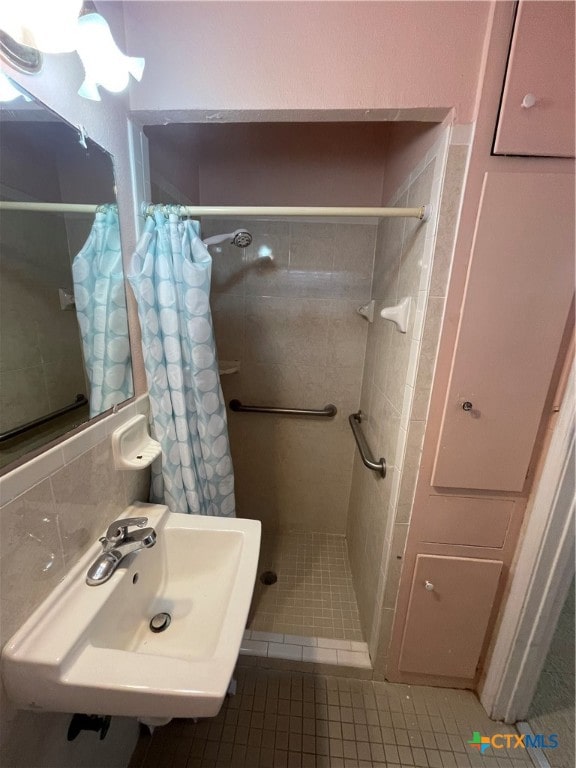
{"points": [[379, 466], [328, 411], [9, 434]]}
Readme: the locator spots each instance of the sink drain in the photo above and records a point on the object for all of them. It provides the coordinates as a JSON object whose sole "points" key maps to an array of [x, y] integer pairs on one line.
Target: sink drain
{"points": [[160, 622], [268, 577]]}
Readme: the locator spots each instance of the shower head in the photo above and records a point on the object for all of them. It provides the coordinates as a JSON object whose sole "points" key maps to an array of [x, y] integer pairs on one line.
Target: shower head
{"points": [[240, 238]]}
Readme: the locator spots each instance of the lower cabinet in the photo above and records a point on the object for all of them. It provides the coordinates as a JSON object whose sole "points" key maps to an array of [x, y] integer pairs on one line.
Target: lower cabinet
{"points": [[448, 613]]}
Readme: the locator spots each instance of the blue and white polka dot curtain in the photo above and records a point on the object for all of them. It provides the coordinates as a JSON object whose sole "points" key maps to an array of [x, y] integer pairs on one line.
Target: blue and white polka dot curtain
{"points": [[170, 275], [101, 311]]}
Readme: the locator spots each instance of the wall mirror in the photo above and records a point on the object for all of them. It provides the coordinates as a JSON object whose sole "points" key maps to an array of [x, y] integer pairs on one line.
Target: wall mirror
{"points": [[64, 347]]}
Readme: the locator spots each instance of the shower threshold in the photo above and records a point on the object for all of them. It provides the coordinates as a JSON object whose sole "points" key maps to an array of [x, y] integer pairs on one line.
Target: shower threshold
{"points": [[309, 614]]}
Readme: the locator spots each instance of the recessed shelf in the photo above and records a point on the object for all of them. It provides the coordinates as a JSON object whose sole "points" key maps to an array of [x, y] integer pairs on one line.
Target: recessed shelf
{"points": [[132, 446]]}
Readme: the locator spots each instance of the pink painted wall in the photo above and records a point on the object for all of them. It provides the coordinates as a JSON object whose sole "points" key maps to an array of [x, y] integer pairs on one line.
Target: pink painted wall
{"points": [[289, 164], [174, 158], [307, 55], [275, 163], [407, 143]]}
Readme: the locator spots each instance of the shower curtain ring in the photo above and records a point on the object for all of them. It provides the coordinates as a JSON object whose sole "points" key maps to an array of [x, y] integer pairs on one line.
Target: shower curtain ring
{"points": [[173, 209]]}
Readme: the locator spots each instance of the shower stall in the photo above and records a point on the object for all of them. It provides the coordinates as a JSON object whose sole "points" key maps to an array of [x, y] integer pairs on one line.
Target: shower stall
{"points": [[290, 336]]}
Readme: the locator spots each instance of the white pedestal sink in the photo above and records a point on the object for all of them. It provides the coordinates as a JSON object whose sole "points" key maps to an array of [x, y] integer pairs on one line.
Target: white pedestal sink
{"points": [[90, 649]]}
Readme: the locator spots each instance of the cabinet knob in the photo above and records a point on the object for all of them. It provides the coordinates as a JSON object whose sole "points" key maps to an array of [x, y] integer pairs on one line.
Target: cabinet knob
{"points": [[467, 406], [429, 586], [528, 101]]}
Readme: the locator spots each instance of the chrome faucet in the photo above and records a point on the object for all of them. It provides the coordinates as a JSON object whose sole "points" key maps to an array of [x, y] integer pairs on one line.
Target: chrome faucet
{"points": [[118, 542]]}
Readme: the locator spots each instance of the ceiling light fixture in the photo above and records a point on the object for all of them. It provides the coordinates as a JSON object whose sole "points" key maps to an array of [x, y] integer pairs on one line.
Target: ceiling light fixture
{"points": [[48, 27], [30, 26], [104, 63]]}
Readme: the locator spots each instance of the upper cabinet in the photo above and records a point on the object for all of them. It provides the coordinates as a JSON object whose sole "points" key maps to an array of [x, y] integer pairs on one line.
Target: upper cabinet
{"points": [[517, 303], [537, 113]]}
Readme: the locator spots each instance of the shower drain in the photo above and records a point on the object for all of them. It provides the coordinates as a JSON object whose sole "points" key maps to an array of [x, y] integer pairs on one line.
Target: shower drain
{"points": [[268, 577]]}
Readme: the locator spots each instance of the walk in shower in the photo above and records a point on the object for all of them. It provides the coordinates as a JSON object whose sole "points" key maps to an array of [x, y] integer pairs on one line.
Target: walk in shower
{"points": [[286, 309], [290, 335]]}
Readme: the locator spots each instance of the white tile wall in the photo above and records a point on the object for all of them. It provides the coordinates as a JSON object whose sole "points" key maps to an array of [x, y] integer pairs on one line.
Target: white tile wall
{"points": [[286, 309], [411, 259], [54, 506]]}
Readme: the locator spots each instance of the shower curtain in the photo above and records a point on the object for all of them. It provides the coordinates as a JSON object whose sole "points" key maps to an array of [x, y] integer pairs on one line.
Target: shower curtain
{"points": [[101, 311], [170, 275]]}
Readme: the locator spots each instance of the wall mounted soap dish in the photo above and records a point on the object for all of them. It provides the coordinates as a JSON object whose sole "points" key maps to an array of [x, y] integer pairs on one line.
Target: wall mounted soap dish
{"points": [[398, 314], [132, 446], [228, 366], [367, 311]]}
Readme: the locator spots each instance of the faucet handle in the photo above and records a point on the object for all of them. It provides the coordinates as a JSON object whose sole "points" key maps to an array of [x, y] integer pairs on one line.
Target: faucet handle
{"points": [[118, 530]]}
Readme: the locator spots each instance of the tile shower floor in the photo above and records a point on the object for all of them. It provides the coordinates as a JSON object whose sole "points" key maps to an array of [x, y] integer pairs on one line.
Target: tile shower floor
{"points": [[292, 720], [314, 595]]}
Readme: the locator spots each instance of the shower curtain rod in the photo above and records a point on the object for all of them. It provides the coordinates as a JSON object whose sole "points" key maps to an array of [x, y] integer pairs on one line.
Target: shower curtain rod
{"points": [[6, 205], [421, 212]]}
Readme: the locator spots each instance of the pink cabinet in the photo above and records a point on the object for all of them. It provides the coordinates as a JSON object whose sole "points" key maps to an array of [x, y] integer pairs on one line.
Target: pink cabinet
{"points": [[466, 521], [448, 613], [516, 306], [538, 111]]}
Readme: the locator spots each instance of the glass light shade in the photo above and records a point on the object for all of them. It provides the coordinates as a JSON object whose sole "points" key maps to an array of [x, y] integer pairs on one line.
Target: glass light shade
{"points": [[46, 26], [104, 64]]}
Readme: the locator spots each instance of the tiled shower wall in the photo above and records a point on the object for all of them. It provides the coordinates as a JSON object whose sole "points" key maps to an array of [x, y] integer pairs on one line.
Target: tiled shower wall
{"points": [[285, 308], [53, 508], [412, 259]]}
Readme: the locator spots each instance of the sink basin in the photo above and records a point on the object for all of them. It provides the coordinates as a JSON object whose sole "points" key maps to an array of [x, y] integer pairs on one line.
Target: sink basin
{"points": [[90, 649]]}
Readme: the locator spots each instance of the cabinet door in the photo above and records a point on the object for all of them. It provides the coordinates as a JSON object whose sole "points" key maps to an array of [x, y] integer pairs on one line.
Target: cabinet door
{"points": [[540, 69], [518, 295], [465, 521], [448, 613]]}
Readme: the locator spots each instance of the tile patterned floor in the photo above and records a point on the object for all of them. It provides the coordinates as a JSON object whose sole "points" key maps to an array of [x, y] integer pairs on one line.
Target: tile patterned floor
{"points": [[314, 595], [288, 720]]}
